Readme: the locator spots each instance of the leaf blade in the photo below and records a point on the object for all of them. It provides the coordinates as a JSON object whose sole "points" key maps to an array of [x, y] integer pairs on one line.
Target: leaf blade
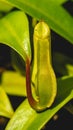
{"points": [[51, 13], [17, 86], [14, 32], [5, 6], [29, 119], [5, 106]]}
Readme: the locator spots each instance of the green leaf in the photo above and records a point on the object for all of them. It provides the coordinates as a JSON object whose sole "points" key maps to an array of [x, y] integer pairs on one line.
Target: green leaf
{"points": [[14, 32], [13, 83], [27, 118], [49, 11], [5, 6], [5, 106]]}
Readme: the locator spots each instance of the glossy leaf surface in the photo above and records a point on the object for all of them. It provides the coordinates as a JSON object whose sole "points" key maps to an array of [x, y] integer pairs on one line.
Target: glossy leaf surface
{"points": [[26, 118], [14, 32], [49, 11]]}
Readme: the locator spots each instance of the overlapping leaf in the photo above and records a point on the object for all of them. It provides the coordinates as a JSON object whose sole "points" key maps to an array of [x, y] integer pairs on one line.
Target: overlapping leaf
{"points": [[26, 118], [51, 12], [5, 106], [14, 32], [5, 6], [13, 83]]}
